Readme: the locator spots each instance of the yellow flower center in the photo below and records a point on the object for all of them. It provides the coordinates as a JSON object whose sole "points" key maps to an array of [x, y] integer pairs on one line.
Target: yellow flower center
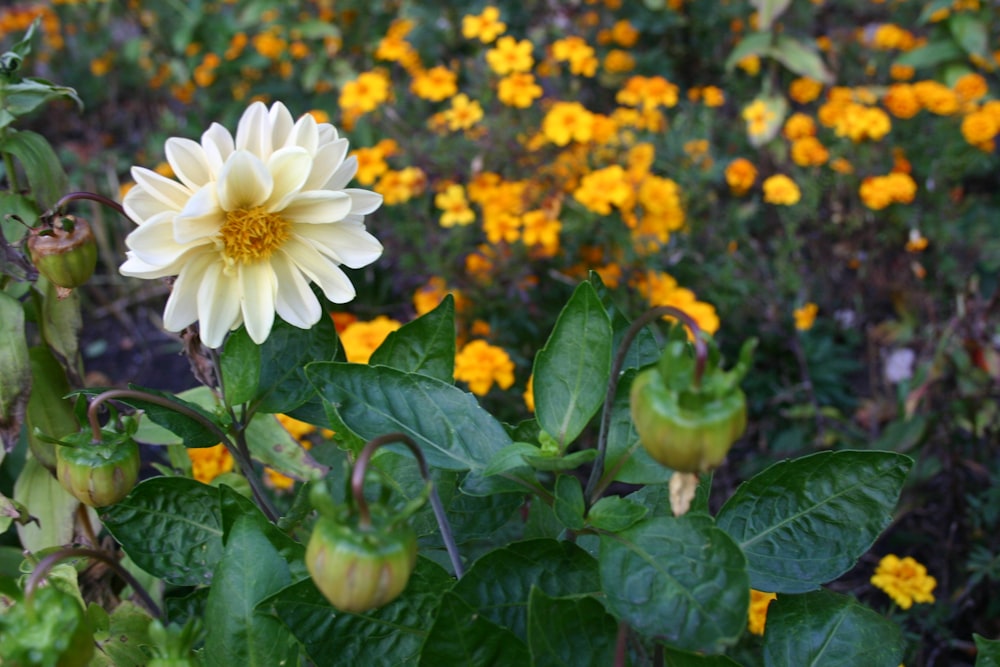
{"points": [[251, 234]]}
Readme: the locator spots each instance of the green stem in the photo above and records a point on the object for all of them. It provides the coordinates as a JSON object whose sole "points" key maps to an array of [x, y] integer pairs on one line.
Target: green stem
{"points": [[8, 163], [594, 486], [357, 491], [46, 564]]}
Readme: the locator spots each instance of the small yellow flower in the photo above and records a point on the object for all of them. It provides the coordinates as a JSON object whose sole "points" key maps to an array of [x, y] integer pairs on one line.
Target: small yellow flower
{"points": [[436, 84], [207, 463], [741, 174], [456, 208], [916, 242], [485, 27], [904, 580], [510, 55], [464, 113], [518, 90], [480, 365], [361, 339], [805, 316], [759, 602], [781, 190]]}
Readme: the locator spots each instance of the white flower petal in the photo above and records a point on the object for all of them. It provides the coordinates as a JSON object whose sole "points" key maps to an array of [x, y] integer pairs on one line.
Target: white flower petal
{"points": [[202, 217], [140, 205], [219, 145], [331, 279], [254, 131], [345, 172], [167, 191], [290, 169], [305, 134], [348, 244], [136, 268], [326, 161], [257, 291], [182, 306], [363, 202], [281, 122], [188, 160], [218, 305], [317, 207], [327, 133], [295, 302], [154, 243], [244, 182]]}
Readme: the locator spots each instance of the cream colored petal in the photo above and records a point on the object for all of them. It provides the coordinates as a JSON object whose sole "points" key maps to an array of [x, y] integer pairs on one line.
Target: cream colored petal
{"points": [[257, 293], [326, 161], [363, 202], [168, 192], [343, 175], [327, 133], [289, 168], [218, 305], [281, 122], [188, 160], [219, 145], [244, 182], [347, 244], [295, 302], [317, 207], [253, 133], [331, 279], [202, 217], [182, 306], [154, 241], [136, 268], [140, 205], [305, 134]]}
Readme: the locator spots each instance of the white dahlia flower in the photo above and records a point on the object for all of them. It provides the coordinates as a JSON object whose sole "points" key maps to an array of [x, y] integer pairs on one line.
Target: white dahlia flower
{"points": [[249, 223]]}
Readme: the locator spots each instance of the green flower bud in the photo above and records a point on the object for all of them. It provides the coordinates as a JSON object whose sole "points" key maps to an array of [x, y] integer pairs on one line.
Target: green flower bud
{"points": [[99, 474], [358, 569], [66, 253]]}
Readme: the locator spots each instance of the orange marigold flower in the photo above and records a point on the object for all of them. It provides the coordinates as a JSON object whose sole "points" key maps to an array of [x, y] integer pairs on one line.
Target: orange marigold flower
{"points": [[904, 580], [901, 100], [798, 126], [365, 93], [566, 122], [712, 96], [518, 90], [980, 127], [936, 97], [647, 92], [207, 463], [481, 365], [805, 316], [360, 339], [971, 87], [916, 242], [456, 208], [781, 190], [804, 90], [759, 602], [809, 152], [618, 61], [436, 84], [485, 27], [624, 33], [510, 55], [741, 174]]}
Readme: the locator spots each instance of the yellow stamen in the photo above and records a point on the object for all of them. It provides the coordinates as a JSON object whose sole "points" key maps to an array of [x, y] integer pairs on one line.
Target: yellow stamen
{"points": [[252, 234]]}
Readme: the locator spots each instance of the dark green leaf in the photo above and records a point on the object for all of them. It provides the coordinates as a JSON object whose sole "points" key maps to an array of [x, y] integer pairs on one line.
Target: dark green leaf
{"points": [[565, 462], [569, 632], [15, 207], [450, 427], [971, 32], [389, 635], [15, 365], [120, 643], [823, 629], [801, 59], [27, 95], [805, 522], [240, 367], [674, 658], [988, 651], [41, 164], [284, 355], [426, 345], [614, 514], [510, 457], [680, 579], [754, 44], [192, 431], [250, 570], [571, 371], [569, 504], [644, 349], [498, 585], [171, 527], [931, 55], [235, 506], [462, 637]]}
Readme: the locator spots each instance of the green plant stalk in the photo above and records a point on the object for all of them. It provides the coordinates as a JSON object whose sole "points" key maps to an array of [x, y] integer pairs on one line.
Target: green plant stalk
{"points": [[357, 491], [595, 484], [239, 450], [45, 565]]}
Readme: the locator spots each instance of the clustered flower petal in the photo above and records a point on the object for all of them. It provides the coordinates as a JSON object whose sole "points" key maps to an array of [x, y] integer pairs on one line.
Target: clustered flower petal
{"points": [[904, 580], [249, 223]]}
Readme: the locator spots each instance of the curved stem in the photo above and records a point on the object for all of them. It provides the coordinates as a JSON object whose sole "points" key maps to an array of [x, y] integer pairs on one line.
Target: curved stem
{"points": [[92, 196], [46, 564], [593, 490], [357, 491]]}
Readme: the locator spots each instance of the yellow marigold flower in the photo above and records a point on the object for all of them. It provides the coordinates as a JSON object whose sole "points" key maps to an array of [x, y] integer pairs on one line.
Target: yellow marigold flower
{"points": [[539, 228], [399, 187], [805, 316], [901, 186], [207, 463], [602, 188], [566, 122], [804, 90], [529, 394], [464, 113], [428, 296], [485, 27], [661, 289], [980, 127], [577, 53], [479, 264], [781, 190], [859, 122], [889, 36], [269, 45], [904, 580], [759, 602], [518, 90], [361, 339], [971, 87], [901, 100], [759, 118], [455, 206], [916, 242], [371, 164], [877, 192], [936, 97], [809, 152], [647, 92], [624, 34], [502, 226], [842, 166], [436, 84], [750, 65], [237, 43], [480, 365], [799, 126], [510, 55], [102, 65], [365, 93], [741, 174], [901, 72], [278, 481], [712, 96], [618, 61]]}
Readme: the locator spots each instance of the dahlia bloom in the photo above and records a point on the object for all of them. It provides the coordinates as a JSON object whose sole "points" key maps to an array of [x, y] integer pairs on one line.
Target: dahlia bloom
{"points": [[249, 223]]}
